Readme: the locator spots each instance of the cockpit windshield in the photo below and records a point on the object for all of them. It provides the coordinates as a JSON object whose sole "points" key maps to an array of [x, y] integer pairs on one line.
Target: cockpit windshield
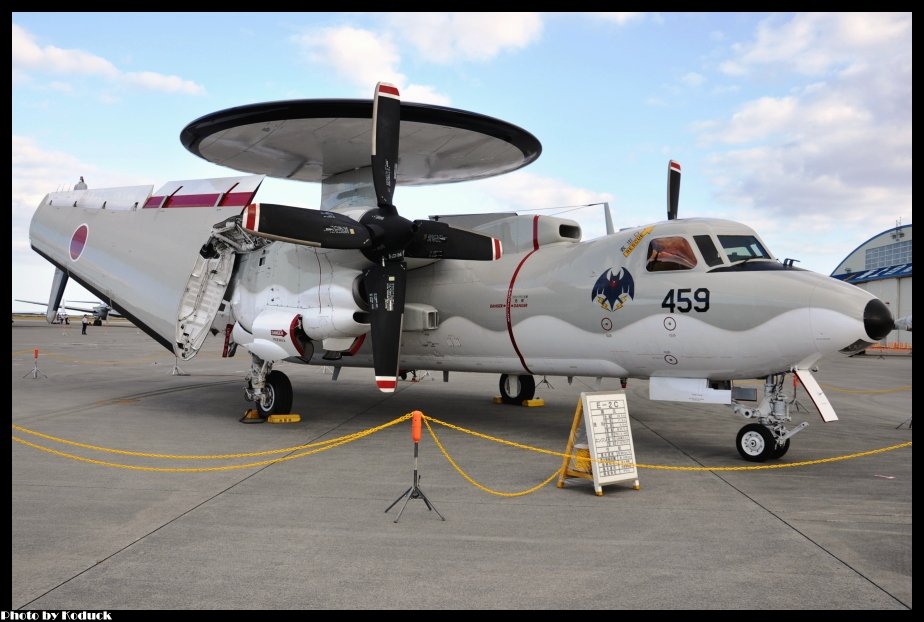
{"points": [[740, 247]]}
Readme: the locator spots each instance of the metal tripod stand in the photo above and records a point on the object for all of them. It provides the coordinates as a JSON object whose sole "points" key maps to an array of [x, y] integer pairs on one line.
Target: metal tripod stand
{"points": [[35, 372], [414, 492]]}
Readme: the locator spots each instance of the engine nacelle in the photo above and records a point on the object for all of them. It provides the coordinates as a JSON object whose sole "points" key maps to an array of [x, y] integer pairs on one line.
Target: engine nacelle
{"points": [[339, 316], [277, 334]]}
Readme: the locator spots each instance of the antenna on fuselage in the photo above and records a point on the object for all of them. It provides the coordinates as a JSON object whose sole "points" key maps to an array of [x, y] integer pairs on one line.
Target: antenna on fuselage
{"points": [[564, 209]]}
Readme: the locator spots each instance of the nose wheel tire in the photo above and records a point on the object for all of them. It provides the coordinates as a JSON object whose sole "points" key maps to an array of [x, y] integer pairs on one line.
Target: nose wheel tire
{"points": [[277, 395], [517, 389], [781, 450], [756, 443]]}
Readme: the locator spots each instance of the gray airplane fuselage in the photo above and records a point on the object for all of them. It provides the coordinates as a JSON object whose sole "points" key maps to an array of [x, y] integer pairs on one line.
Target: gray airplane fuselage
{"points": [[536, 310], [675, 299]]}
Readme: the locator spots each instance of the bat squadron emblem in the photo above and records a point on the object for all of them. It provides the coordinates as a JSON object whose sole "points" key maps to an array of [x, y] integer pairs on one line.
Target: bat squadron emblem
{"points": [[613, 289]]}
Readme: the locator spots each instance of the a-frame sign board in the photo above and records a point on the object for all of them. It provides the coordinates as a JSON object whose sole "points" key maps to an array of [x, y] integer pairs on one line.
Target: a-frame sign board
{"points": [[609, 442]]}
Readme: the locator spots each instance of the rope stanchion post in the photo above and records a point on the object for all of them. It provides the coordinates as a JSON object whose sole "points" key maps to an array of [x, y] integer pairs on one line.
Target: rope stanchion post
{"points": [[35, 372], [414, 492]]}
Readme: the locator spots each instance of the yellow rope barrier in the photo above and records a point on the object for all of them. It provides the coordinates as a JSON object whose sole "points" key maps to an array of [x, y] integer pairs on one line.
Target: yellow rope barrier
{"points": [[252, 454], [665, 467], [472, 481], [320, 446], [343, 440]]}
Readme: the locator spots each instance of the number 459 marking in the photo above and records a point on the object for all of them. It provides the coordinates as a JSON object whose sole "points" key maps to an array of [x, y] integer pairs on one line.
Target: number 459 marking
{"points": [[679, 299]]}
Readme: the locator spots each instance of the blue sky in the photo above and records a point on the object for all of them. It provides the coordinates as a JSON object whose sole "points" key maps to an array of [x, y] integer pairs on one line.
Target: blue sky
{"points": [[798, 125]]}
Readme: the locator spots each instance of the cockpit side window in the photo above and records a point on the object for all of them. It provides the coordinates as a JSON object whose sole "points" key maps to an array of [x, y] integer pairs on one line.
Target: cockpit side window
{"points": [[739, 247], [708, 250], [670, 253]]}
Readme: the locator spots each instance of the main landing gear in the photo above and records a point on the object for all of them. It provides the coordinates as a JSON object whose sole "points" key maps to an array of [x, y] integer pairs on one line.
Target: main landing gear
{"points": [[517, 389], [269, 389], [769, 437]]}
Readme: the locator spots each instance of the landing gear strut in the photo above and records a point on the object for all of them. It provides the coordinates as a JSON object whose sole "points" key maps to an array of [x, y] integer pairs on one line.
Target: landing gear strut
{"points": [[269, 389], [769, 438], [517, 389]]}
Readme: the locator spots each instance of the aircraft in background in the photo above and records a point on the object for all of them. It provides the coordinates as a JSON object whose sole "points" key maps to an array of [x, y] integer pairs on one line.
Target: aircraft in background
{"points": [[99, 311], [692, 305]]}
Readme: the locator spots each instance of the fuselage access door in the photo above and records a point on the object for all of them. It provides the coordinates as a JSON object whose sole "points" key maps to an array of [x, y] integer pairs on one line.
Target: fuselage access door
{"points": [[202, 299]]}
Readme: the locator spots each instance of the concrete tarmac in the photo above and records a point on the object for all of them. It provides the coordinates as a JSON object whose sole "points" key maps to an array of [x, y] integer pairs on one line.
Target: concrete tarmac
{"points": [[311, 532]]}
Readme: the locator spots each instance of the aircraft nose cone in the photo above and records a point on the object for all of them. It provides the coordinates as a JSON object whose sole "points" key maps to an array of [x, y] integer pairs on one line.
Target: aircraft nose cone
{"points": [[877, 319]]}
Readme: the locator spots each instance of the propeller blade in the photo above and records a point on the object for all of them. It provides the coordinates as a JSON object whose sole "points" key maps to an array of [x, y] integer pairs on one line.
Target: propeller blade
{"points": [[437, 240], [305, 226], [673, 189], [386, 123], [384, 287]]}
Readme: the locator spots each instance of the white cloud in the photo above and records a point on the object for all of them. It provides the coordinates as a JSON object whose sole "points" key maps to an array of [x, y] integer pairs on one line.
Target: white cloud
{"points": [[425, 94], [522, 190], [363, 58], [812, 43], [360, 55], [693, 79], [754, 120], [618, 18], [160, 82], [449, 37], [29, 56], [834, 150]]}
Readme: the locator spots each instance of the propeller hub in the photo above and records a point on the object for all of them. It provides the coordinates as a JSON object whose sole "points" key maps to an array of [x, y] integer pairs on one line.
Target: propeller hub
{"points": [[391, 234]]}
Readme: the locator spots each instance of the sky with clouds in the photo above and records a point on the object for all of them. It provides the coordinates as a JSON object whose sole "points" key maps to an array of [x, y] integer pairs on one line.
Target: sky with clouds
{"points": [[798, 125]]}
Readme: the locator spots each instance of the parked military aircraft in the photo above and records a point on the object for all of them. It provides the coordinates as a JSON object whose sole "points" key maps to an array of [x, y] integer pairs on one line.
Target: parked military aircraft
{"points": [[692, 305], [99, 311]]}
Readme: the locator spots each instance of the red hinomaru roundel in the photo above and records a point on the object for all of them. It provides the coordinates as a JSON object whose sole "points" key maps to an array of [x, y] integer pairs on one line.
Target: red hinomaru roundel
{"points": [[78, 241]]}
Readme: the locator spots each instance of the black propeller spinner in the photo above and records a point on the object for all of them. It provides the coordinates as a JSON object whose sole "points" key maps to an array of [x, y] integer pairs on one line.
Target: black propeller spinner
{"points": [[382, 235]]}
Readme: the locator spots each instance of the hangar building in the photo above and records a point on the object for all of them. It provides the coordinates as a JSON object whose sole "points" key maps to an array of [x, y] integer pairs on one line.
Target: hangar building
{"points": [[882, 266]]}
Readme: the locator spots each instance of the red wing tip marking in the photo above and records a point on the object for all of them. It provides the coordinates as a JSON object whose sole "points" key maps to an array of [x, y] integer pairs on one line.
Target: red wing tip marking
{"points": [[253, 216], [386, 384], [388, 90], [498, 249], [675, 166]]}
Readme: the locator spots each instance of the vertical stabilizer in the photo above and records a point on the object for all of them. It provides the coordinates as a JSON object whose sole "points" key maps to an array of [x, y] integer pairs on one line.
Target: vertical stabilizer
{"points": [[57, 294]]}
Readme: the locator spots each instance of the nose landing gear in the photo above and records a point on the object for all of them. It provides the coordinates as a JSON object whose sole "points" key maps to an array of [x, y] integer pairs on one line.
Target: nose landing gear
{"points": [[270, 390], [769, 437]]}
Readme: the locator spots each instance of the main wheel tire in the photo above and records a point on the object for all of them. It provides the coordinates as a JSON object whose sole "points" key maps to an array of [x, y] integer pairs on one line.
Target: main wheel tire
{"points": [[755, 443], [781, 450], [278, 395], [516, 389]]}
